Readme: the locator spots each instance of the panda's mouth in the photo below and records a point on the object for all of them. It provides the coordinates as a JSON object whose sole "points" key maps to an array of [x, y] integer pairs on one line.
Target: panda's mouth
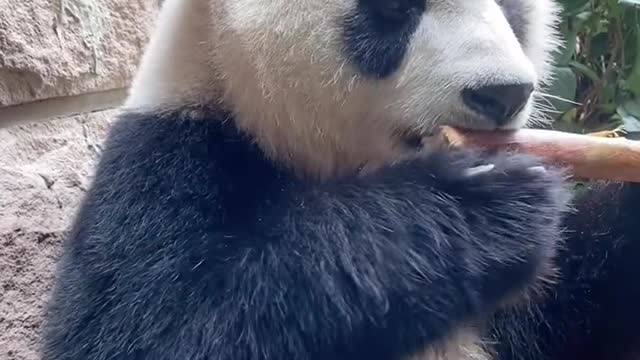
{"points": [[416, 140], [411, 139]]}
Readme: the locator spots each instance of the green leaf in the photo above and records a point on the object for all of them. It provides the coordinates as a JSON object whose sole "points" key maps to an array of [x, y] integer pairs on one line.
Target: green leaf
{"points": [[630, 2], [585, 70], [630, 108], [572, 7], [633, 81], [600, 45], [563, 89], [565, 53], [629, 112], [599, 64]]}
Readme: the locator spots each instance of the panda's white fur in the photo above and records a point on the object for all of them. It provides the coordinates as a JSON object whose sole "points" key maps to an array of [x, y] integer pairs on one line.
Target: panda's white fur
{"points": [[277, 65]]}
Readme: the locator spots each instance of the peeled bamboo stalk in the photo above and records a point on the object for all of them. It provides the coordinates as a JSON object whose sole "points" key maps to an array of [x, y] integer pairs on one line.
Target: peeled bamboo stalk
{"points": [[588, 157]]}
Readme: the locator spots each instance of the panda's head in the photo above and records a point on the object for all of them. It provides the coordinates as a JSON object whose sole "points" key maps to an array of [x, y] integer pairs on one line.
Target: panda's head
{"points": [[329, 85]]}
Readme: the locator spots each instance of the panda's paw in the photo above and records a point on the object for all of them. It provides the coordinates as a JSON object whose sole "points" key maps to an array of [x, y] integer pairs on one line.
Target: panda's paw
{"points": [[478, 170], [482, 169], [521, 204], [521, 181]]}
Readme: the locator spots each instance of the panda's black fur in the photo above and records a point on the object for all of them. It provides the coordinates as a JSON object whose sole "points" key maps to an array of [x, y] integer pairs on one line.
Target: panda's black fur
{"points": [[203, 255], [592, 311], [193, 244]]}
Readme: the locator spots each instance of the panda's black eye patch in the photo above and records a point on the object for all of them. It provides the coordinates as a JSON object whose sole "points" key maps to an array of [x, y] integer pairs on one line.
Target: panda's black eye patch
{"points": [[394, 10], [516, 13], [377, 34]]}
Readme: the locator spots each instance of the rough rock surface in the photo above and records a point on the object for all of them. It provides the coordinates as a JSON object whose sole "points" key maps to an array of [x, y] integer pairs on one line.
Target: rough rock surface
{"points": [[51, 48], [45, 169]]}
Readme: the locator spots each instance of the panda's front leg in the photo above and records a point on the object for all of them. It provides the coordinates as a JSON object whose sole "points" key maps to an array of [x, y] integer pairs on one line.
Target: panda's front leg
{"points": [[602, 258], [592, 310], [599, 280], [382, 266]]}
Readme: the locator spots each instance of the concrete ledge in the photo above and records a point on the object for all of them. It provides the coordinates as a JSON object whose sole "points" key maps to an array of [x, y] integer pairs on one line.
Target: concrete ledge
{"points": [[61, 107]]}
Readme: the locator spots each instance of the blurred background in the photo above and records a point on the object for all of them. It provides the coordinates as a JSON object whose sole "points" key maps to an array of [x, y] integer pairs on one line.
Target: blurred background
{"points": [[597, 83]]}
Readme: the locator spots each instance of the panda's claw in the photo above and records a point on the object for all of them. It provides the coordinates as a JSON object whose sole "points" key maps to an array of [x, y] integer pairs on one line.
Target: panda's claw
{"points": [[478, 170], [538, 169]]}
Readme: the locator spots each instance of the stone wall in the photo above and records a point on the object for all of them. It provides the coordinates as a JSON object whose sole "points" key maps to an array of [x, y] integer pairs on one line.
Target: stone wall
{"points": [[64, 68]]}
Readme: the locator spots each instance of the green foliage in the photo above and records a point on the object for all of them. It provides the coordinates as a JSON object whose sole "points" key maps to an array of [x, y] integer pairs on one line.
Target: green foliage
{"points": [[597, 79]]}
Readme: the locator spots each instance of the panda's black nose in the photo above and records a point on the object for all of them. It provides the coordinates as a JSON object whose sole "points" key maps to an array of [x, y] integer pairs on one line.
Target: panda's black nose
{"points": [[500, 103]]}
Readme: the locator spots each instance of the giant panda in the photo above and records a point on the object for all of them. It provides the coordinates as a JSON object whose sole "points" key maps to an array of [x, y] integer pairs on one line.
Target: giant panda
{"points": [[270, 191]]}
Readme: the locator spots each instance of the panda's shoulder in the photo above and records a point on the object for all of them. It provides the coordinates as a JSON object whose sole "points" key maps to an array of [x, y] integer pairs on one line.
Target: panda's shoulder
{"points": [[176, 141], [169, 160]]}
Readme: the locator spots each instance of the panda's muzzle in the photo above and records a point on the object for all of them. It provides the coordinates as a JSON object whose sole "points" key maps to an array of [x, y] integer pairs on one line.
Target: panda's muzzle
{"points": [[498, 103]]}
